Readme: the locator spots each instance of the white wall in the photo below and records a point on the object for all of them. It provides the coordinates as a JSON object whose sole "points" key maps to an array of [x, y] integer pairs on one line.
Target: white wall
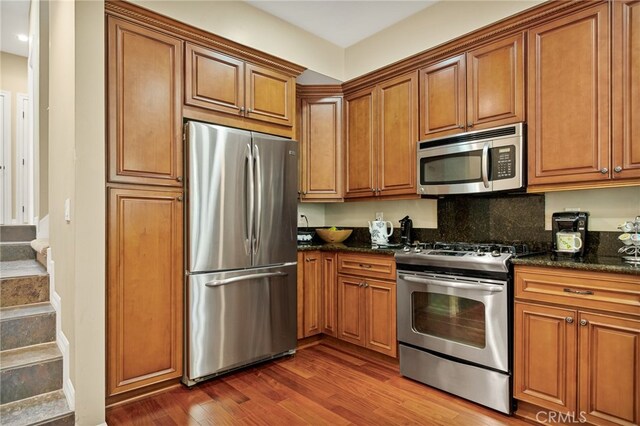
{"points": [[607, 208], [77, 170]]}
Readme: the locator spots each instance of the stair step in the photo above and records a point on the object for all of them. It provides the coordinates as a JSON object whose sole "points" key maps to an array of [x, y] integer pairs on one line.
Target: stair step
{"points": [[23, 282], [29, 371], [47, 409], [27, 325], [17, 233], [16, 250]]}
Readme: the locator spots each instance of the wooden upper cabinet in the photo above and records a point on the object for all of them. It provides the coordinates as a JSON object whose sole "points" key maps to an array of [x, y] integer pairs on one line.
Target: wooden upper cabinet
{"points": [[495, 84], [382, 136], [321, 148], [626, 89], [221, 83], [545, 356], [144, 288], [213, 80], [442, 98], [568, 99], [361, 141], [477, 90], [271, 96], [144, 105], [398, 135]]}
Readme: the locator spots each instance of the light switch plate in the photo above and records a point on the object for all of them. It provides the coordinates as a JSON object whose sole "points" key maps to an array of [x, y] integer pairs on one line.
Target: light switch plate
{"points": [[67, 210]]}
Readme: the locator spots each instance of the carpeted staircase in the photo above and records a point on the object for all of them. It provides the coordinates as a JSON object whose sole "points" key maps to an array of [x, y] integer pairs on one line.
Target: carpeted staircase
{"points": [[30, 361]]}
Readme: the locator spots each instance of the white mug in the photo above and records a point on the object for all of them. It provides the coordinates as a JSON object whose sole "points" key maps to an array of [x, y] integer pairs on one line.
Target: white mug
{"points": [[568, 242], [379, 233]]}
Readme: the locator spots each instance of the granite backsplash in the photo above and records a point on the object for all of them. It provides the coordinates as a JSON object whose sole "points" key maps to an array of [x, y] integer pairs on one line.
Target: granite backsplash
{"points": [[497, 219]]}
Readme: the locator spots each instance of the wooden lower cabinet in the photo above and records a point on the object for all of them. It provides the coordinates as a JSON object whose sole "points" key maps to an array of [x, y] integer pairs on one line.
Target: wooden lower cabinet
{"points": [[367, 313], [329, 294], [571, 359], [144, 289], [309, 294]]}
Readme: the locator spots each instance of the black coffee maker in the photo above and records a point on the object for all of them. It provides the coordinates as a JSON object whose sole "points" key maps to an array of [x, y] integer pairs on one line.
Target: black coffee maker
{"points": [[569, 235], [406, 225]]}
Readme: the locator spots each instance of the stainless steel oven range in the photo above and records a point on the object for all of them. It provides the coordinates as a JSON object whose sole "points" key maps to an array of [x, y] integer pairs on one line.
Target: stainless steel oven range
{"points": [[454, 319]]}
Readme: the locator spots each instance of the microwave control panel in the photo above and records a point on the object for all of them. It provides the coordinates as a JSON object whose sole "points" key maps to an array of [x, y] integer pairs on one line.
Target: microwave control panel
{"points": [[503, 162]]}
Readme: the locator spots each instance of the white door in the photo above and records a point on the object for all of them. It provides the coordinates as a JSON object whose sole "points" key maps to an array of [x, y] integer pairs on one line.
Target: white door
{"points": [[5, 158], [24, 161]]}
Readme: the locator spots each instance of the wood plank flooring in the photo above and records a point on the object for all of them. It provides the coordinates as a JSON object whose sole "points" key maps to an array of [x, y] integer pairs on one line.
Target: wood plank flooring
{"points": [[320, 385]]}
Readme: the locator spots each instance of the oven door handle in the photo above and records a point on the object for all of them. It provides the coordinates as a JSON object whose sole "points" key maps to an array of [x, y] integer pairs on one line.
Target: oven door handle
{"points": [[465, 286]]}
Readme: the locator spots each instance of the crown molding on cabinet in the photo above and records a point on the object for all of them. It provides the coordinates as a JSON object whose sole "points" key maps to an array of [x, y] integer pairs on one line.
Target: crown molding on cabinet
{"points": [[156, 21], [318, 90]]}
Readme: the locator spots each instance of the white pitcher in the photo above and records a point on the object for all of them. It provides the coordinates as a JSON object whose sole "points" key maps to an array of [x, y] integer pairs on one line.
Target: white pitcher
{"points": [[379, 233]]}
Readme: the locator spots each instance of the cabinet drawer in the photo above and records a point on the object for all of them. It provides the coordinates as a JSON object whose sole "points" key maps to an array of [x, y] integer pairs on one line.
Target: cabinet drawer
{"points": [[377, 266], [580, 289]]}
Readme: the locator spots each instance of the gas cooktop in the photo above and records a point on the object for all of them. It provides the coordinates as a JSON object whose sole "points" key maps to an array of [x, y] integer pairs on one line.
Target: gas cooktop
{"points": [[476, 256]]}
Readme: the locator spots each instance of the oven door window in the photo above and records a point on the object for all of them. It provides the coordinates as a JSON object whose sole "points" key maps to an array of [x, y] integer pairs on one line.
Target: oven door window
{"points": [[463, 167], [448, 317]]}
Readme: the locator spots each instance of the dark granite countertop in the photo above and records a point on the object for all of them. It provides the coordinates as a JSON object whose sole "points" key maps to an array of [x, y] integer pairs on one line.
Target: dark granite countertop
{"points": [[350, 247], [613, 264]]}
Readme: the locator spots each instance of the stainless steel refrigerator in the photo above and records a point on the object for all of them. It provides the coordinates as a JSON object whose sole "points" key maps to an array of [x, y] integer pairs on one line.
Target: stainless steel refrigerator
{"points": [[241, 249]]}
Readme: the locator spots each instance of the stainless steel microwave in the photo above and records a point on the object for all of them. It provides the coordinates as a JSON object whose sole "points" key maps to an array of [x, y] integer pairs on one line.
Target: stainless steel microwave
{"points": [[473, 162]]}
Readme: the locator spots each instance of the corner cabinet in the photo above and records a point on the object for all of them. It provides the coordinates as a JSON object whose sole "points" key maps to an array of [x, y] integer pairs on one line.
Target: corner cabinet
{"points": [[144, 104], [246, 94], [144, 288], [475, 90], [577, 343], [320, 141], [381, 139]]}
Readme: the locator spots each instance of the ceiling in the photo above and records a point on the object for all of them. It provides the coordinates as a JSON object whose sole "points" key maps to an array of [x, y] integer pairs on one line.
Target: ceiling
{"points": [[342, 22], [14, 17]]}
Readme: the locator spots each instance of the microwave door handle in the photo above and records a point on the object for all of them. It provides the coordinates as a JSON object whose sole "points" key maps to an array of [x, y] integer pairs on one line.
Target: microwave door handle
{"points": [[462, 286], [485, 165]]}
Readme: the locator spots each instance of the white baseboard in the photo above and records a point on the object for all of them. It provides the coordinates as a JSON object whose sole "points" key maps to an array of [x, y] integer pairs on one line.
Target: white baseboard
{"points": [[61, 339]]}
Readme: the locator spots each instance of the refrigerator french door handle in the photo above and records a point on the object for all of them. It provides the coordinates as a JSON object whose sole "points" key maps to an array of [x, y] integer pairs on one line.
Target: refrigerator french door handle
{"points": [[249, 196], [258, 196], [218, 283]]}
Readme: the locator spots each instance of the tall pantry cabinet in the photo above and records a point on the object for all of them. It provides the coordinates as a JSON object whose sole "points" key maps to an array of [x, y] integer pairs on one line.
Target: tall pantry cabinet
{"points": [[145, 212]]}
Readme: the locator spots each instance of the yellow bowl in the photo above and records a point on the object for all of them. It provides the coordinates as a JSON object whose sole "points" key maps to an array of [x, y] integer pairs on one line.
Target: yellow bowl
{"points": [[336, 236]]}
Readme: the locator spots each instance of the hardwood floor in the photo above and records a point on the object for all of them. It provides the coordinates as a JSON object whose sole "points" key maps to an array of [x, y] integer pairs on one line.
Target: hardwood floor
{"points": [[319, 385]]}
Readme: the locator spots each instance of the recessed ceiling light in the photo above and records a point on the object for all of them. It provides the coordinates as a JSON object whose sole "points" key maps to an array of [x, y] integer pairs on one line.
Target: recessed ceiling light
{"points": [[23, 37]]}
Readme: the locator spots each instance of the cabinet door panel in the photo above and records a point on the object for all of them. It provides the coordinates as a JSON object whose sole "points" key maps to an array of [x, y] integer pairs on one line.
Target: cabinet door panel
{"points": [[144, 105], [398, 137], [361, 122], [312, 293], [545, 356], [144, 290], [329, 294], [495, 84], [213, 80], [442, 98], [351, 310], [271, 95], [568, 122], [321, 148], [380, 298], [626, 89], [609, 376]]}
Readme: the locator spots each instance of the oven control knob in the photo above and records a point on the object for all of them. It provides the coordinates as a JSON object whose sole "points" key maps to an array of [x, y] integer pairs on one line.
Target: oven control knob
{"points": [[495, 253], [417, 249]]}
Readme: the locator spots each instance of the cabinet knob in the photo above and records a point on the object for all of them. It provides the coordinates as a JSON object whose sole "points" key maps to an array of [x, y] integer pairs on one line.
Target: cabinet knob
{"points": [[569, 320], [364, 265], [470, 125], [461, 127], [179, 198], [618, 169], [584, 322], [307, 259], [241, 110], [179, 179], [604, 170], [366, 285]]}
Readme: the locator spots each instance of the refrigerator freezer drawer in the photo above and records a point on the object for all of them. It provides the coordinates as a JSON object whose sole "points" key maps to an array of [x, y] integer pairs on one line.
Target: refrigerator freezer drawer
{"points": [[239, 317]]}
